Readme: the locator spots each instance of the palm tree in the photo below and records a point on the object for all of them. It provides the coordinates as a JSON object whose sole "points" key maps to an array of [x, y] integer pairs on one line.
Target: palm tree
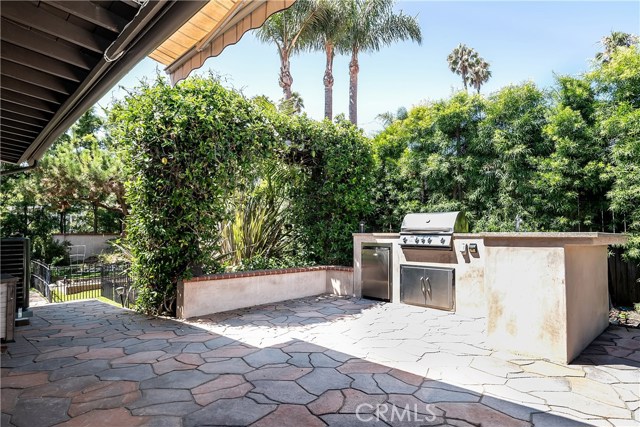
{"points": [[326, 31], [285, 30], [613, 41], [389, 117], [479, 73], [370, 25], [293, 105], [460, 61]]}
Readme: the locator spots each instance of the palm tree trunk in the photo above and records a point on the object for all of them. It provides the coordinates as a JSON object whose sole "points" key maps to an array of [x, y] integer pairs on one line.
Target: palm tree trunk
{"points": [[354, 68], [285, 80], [328, 82]]}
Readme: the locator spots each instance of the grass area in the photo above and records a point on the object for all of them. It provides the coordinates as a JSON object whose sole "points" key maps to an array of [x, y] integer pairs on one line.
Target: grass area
{"points": [[57, 296]]}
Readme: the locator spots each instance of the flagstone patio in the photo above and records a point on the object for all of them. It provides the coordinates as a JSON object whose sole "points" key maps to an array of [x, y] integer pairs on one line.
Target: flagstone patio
{"points": [[310, 362]]}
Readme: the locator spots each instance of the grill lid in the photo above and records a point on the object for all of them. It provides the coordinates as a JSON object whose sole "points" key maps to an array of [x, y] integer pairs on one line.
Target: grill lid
{"points": [[435, 223]]}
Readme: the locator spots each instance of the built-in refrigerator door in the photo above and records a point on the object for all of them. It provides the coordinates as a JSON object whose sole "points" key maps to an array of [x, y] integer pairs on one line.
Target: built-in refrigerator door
{"points": [[376, 272], [440, 287], [412, 290]]}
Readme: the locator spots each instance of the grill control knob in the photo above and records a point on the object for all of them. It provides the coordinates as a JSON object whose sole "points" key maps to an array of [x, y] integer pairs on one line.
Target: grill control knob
{"points": [[442, 240], [429, 240], [404, 240], [423, 240]]}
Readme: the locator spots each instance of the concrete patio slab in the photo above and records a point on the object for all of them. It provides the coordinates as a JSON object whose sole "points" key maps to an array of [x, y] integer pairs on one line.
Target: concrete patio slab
{"points": [[315, 361]]}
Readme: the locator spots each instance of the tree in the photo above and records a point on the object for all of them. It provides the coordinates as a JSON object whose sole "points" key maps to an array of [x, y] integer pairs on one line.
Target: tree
{"points": [[389, 117], [293, 105], [80, 174], [461, 60], [512, 128], [613, 41], [185, 147], [371, 25], [82, 168], [326, 31], [571, 179], [617, 83], [432, 161], [285, 30], [334, 189], [479, 73]]}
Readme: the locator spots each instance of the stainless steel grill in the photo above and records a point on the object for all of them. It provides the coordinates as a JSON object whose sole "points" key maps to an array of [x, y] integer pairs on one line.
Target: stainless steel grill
{"points": [[432, 230]]}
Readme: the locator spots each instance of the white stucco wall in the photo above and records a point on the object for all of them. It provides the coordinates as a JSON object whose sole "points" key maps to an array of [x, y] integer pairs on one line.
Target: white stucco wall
{"points": [[203, 296], [95, 243], [547, 293]]}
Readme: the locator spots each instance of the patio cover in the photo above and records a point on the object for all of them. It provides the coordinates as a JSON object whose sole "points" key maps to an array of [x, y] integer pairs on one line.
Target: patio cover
{"points": [[57, 58], [217, 25]]}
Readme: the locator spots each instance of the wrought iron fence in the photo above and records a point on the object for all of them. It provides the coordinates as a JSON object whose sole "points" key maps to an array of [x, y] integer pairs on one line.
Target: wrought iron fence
{"points": [[83, 281]]}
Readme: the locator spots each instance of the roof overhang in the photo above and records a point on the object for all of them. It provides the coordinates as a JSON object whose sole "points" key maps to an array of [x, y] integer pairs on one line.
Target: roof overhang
{"points": [[58, 58], [217, 25]]}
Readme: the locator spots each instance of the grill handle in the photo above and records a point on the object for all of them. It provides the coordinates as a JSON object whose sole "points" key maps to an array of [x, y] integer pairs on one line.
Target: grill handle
{"points": [[425, 285]]}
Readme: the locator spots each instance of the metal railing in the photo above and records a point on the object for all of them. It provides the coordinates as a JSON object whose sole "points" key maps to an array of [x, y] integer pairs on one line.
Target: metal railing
{"points": [[83, 281], [41, 278]]}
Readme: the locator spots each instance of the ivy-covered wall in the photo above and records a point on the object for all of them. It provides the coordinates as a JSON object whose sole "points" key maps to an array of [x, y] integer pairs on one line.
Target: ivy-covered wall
{"points": [[184, 146]]}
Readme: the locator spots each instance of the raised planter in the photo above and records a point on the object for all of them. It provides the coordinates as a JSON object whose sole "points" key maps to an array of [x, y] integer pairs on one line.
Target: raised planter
{"points": [[205, 295], [75, 286]]}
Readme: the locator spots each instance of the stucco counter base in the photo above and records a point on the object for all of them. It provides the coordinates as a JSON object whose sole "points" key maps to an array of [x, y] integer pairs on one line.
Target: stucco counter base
{"points": [[543, 294], [546, 293]]}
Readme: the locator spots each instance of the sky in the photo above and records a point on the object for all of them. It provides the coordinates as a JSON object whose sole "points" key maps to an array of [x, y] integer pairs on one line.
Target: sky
{"points": [[522, 40]]}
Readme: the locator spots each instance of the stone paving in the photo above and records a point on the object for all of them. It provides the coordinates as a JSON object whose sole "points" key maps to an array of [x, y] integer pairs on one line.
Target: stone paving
{"points": [[311, 362]]}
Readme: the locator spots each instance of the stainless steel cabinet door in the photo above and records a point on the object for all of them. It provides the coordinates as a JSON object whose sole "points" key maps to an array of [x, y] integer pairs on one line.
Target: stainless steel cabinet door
{"points": [[411, 289], [427, 286], [439, 284], [376, 278]]}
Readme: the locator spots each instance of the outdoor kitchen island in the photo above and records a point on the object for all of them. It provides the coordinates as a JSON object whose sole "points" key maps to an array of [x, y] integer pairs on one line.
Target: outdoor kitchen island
{"points": [[542, 294]]}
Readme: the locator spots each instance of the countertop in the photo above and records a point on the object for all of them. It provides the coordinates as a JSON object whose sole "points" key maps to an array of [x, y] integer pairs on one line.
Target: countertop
{"points": [[571, 238], [596, 238]]}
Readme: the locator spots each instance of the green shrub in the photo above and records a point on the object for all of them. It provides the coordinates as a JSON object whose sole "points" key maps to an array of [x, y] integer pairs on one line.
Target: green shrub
{"points": [[51, 251], [334, 191], [184, 147], [201, 199], [259, 226]]}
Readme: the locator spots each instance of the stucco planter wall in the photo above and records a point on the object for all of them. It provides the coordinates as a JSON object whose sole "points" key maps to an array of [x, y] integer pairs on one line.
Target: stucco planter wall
{"points": [[205, 295]]}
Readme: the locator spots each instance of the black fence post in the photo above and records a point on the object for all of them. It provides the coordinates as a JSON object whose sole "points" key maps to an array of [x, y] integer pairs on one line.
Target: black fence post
{"points": [[47, 272]]}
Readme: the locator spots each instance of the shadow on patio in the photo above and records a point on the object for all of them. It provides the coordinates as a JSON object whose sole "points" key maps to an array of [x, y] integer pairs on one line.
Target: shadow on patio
{"points": [[88, 363]]}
